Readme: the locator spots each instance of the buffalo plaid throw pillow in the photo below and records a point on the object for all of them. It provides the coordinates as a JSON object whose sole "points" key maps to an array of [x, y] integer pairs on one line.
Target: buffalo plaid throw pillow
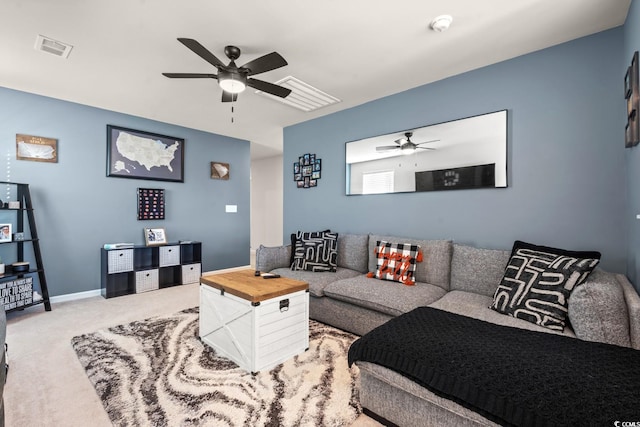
{"points": [[397, 261]]}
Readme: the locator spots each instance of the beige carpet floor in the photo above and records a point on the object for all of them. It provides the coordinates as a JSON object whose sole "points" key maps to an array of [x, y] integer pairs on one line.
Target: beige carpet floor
{"points": [[46, 384]]}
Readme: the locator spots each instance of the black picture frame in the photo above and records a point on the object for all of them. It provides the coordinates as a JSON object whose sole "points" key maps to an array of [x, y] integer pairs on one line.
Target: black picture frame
{"points": [[150, 204], [631, 94], [134, 164]]}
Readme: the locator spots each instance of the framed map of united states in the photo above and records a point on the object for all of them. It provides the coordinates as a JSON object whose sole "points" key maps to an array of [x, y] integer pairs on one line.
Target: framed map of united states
{"points": [[144, 155]]}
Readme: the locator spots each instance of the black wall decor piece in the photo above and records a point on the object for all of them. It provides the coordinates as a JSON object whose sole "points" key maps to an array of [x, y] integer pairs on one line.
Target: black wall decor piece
{"points": [[150, 203], [307, 170], [632, 130], [456, 178]]}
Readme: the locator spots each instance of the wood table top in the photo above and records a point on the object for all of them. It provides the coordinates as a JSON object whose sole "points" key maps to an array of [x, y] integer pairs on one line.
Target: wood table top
{"points": [[246, 285]]}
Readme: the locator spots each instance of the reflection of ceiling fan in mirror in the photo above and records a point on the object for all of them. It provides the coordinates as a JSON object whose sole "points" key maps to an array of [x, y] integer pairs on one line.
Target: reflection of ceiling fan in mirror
{"points": [[405, 145]]}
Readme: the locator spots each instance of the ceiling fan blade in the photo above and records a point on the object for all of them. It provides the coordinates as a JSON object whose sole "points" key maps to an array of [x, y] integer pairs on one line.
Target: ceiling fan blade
{"points": [[190, 76], [387, 147], [276, 90], [427, 142], [424, 148], [229, 97], [265, 63], [201, 51]]}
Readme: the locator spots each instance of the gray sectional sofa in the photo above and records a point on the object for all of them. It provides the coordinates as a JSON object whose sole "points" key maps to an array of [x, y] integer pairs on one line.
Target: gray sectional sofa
{"points": [[453, 277]]}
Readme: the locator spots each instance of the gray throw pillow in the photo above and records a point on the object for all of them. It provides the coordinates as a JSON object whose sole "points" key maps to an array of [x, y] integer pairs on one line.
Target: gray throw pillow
{"points": [[598, 310]]}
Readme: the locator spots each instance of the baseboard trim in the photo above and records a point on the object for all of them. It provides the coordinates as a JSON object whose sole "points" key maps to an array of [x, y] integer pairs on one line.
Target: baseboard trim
{"points": [[75, 296], [227, 270], [97, 292]]}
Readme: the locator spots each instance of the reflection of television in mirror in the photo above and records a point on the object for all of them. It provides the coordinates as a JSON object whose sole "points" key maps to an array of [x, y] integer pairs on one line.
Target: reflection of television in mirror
{"points": [[457, 178]]}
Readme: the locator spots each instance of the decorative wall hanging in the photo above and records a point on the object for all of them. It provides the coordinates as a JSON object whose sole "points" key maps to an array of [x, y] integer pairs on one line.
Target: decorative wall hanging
{"points": [[36, 148], [632, 130], [307, 170], [150, 203], [220, 170], [144, 155]]}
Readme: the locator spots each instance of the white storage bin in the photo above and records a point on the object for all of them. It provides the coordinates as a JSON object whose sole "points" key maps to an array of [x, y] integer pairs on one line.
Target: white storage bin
{"points": [[190, 274], [169, 255], [146, 280], [120, 261]]}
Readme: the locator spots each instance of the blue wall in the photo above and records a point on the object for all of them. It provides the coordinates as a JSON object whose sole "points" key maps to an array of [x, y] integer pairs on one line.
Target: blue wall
{"points": [[78, 208], [567, 185], [631, 44]]}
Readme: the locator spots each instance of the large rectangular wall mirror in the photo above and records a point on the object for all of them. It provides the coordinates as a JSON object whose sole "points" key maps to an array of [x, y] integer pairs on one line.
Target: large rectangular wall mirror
{"points": [[460, 154]]}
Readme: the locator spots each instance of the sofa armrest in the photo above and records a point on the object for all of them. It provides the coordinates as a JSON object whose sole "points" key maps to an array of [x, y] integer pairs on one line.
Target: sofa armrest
{"points": [[633, 306], [270, 258]]}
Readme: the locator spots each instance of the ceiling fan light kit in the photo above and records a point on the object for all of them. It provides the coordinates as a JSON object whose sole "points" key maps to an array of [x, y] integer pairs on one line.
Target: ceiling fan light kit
{"points": [[441, 23]]}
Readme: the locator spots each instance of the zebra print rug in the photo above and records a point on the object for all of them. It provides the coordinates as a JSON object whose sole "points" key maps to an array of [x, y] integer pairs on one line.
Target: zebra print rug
{"points": [[156, 372]]}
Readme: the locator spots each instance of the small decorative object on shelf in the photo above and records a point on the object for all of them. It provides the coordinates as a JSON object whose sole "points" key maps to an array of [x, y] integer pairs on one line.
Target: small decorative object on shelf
{"points": [[5, 233], [307, 171], [14, 205], [155, 236]]}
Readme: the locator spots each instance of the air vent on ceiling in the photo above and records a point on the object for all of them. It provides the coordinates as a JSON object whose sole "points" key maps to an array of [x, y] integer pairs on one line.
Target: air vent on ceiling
{"points": [[54, 47], [303, 96]]}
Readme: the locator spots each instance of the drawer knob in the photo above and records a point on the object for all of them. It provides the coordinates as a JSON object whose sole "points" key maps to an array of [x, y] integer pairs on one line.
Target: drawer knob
{"points": [[284, 305]]}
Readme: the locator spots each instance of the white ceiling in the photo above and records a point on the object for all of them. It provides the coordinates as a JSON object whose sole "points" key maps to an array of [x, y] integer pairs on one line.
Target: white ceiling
{"points": [[355, 50]]}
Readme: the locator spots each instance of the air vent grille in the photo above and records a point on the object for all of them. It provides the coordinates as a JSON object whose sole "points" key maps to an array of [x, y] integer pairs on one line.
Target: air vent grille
{"points": [[303, 96], [54, 47]]}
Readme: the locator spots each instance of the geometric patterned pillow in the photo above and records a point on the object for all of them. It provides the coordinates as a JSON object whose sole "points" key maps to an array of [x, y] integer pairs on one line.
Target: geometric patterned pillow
{"points": [[397, 261], [316, 251], [538, 281], [294, 243]]}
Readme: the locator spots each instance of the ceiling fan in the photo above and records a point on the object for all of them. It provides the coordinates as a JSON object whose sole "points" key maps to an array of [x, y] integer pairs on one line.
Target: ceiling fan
{"points": [[231, 78], [406, 145]]}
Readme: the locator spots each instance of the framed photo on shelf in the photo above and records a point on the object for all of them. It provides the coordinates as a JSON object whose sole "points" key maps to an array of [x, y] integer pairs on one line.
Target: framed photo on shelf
{"points": [[144, 155], [155, 236], [5, 233]]}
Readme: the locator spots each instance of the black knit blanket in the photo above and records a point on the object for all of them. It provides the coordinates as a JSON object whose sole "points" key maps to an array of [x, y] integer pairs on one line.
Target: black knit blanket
{"points": [[511, 376]]}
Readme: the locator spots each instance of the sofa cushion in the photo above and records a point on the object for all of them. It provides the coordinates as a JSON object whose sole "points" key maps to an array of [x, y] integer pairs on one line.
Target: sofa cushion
{"points": [[353, 251], [477, 270], [475, 305], [435, 268], [317, 280], [383, 296], [316, 251], [396, 262], [269, 258], [598, 311], [538, 281]]}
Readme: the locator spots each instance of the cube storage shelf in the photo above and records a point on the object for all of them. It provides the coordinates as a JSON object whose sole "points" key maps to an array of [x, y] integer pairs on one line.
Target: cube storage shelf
{"points": [[146, 268]]}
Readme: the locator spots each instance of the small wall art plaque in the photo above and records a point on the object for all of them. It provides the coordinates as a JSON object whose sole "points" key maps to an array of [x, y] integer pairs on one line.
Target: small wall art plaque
{"points": [[36, 148]]}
